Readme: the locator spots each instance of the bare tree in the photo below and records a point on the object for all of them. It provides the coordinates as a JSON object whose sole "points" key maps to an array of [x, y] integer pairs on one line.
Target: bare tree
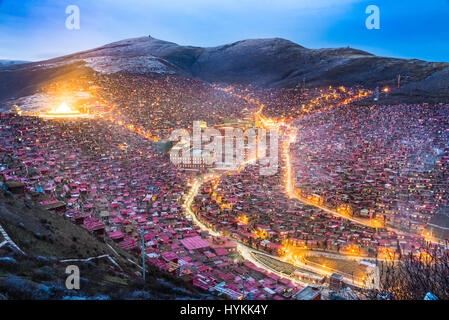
{"points": [[413, 276]]}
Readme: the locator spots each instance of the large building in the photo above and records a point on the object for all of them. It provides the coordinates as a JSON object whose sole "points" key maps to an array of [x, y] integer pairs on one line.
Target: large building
{"points": [[336, 282]]}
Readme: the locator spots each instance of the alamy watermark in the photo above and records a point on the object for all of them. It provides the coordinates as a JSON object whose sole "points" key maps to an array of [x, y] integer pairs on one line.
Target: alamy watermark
{"points": [[373, 20], [73, 280], [225, 148], [72, 22]]}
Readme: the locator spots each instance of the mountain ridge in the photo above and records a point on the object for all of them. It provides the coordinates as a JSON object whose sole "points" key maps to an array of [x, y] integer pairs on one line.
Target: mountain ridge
{"points": [[7, 62], [269, 62]]}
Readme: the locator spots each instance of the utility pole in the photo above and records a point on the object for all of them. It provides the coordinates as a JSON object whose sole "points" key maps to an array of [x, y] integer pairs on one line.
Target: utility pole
{"points": [[243, 286], [143, 255], [399, 81]]}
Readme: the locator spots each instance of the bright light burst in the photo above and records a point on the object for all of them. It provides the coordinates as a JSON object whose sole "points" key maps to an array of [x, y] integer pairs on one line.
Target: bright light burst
{"points": [[64, 111]]}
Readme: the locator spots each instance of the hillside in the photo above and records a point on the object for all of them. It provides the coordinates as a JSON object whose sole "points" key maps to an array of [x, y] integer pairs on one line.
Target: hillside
{"points": [[48, 239]]}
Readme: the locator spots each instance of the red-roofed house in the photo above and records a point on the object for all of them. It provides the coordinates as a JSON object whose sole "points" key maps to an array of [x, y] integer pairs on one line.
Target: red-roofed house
{"points": [[193, 243]]}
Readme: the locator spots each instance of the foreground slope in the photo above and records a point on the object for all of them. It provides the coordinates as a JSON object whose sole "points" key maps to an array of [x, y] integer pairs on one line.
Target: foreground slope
{"points": [[48, 239]]}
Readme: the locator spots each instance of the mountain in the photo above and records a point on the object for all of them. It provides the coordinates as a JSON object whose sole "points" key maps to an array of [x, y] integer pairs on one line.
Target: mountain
{"points": [[263, 62], [5, 63]]}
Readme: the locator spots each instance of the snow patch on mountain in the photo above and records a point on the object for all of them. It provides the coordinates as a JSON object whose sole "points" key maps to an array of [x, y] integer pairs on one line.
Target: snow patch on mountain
{"points": [[112, 64], [139, 64]]}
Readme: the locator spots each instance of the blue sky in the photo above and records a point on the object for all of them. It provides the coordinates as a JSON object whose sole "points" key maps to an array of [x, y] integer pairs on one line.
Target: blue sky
{"points": [[35, 29]]}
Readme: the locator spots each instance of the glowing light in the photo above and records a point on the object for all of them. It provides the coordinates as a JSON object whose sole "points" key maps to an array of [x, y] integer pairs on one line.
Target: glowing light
{"points": [[64, 108], [243, 219], [261, 233], [64, 111]]}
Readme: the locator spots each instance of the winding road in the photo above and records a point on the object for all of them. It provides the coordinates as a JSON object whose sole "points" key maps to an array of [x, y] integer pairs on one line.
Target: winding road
{"points": [[289, 132], [246, 252]]}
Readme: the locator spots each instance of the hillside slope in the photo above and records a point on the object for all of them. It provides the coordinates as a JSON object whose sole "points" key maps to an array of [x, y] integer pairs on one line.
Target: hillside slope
{"points": [[48, 239]]}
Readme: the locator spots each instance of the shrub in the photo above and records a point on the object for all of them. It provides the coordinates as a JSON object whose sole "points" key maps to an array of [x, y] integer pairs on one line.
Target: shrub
{"points": [[17, 288], [8, 263], [45, 273]]}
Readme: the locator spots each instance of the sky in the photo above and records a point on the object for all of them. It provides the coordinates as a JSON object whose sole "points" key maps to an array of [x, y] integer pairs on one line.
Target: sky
{"points": [[35, 30]]}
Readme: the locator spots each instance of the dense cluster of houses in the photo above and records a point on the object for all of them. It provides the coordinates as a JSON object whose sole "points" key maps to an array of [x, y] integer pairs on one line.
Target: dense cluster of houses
{"points": [[384, 161], [107, 179], [254, 209], [293, 103], [161, 104]]}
